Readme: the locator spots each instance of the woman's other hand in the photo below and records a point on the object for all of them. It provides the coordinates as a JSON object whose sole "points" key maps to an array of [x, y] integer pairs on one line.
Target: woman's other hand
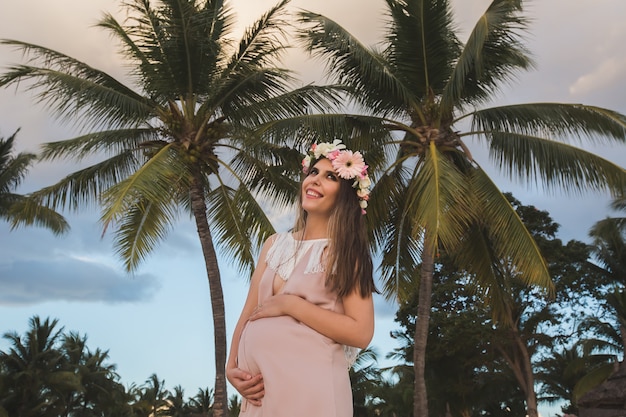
{"points": [[251, 387]]}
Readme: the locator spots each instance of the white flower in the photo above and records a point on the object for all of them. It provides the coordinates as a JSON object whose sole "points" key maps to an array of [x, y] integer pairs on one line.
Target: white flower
{"points": [[323, 149], [364, 182]]}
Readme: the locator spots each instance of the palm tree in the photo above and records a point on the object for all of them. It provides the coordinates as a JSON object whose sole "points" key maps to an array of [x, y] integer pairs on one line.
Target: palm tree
{"points": [[16, 208], [393, 395], [34, 371], [202, 403], [234, 406], [100, 392], [176, 405], [153, 396], [609, 243], [364, 379], [569, 373], [430, 89], [180, 139]]}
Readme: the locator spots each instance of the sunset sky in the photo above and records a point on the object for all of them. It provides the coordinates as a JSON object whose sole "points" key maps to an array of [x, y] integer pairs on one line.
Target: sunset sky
{"points": [[159, 319]]}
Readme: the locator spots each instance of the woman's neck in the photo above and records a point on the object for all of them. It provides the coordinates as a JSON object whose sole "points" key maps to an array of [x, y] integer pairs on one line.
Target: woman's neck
{"points": [[315, 228]]}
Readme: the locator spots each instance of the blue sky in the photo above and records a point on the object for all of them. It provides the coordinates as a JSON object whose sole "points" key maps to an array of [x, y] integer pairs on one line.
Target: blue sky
{"points": [[159, 319]]}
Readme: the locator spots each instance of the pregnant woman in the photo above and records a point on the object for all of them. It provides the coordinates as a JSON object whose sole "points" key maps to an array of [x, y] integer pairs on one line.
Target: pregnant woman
{"points": [[309, 307]]}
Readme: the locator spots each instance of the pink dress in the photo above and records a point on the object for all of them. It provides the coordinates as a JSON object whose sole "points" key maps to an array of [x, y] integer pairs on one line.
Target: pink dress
{"points": [[305, 373]]}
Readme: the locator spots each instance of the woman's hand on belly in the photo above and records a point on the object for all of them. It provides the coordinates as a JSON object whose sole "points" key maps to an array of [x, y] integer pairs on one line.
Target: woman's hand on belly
{"points": [[277, 305], [251, 387]]}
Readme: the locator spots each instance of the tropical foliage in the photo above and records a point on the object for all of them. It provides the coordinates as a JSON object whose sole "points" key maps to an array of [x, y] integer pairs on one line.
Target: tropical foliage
{"points": [[541, 354]]}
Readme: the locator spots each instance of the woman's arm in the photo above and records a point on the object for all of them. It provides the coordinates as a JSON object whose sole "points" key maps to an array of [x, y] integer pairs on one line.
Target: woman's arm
{"points": [[354, 327], [249, 386]]}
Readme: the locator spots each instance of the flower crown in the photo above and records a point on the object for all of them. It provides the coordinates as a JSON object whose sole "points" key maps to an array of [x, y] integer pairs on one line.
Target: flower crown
{"points": [[347, 164]]}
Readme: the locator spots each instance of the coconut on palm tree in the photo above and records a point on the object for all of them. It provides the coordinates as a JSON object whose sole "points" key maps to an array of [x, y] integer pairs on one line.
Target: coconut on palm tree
{"points": [[179, 134], [430, 90]]}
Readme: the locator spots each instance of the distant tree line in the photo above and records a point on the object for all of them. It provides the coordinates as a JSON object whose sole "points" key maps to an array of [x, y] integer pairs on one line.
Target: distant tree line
{"points": [[52, 373]]}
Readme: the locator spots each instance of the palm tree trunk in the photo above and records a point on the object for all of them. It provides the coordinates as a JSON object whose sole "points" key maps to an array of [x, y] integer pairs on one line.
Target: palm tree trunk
{"points": [[198, 206], [529, 378], [519, 362], [420, 399]]}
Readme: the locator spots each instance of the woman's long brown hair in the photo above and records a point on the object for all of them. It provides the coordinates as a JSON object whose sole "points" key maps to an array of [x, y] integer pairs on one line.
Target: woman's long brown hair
{"points": [[348, 258]]}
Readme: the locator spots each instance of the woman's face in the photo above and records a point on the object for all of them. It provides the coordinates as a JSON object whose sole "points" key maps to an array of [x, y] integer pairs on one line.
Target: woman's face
{"points": [[320, 188]]}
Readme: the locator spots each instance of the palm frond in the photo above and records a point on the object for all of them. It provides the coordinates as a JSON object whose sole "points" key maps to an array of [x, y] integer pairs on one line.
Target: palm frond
{"points": [[605, 336], [70, 87], [219, 18], [18, 209], [176, 46], [27, 211], [13, 168], [250, 88], [617, 301], [156, 180], [507, 234], [422, 45], [609, 247], [440, 200], [300, 101], [144, 206], [619, 203], [97, 143], [555, 164], [189, 42], [350, 63], [251, 72], [491, 56], [84, 187], [561, 121], [392, 233], [260, 45], [140, 228], [131, 50], [268, 171], [237, 218]]}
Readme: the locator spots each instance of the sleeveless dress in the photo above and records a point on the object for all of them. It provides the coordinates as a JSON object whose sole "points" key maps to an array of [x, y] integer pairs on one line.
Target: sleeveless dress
{"points": [[305, 373]]}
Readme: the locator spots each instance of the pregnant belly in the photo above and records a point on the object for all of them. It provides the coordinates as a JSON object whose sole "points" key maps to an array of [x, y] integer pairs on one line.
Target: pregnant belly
{"points": [[281, 342]]}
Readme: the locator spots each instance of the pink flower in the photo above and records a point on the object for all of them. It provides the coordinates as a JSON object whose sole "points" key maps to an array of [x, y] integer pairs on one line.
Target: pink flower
{"points": [[331, 156], [306, 164], [349, 164]]}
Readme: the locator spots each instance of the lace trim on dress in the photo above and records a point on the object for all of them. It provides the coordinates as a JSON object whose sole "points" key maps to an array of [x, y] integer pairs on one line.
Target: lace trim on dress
{"points": [[286, 252], [351, 354]]}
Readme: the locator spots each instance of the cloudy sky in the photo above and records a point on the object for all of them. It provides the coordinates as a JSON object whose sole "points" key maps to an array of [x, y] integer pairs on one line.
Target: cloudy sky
{"points": [[158, 320]]}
